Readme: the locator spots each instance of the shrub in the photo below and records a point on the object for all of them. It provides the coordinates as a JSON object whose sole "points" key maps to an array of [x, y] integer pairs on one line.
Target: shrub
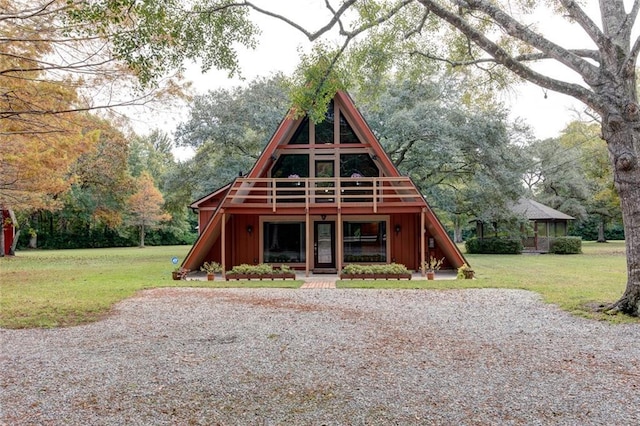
{"points": [[245, 268], [494, 246], [566, 245], [392, 268]]}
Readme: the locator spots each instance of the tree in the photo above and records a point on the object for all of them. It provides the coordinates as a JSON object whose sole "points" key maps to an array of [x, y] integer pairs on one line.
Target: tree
{"points": [[229, 128], [556, 177], [465, 159], [603, 200], [116, 53], [62, 58], [498, 37], [146, 205]]}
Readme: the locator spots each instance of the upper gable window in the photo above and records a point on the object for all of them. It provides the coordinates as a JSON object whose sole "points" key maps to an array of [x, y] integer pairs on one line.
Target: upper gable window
{"points": [[324, 130], [301, 136], [357, 164], [347, 135], [289, 165]]}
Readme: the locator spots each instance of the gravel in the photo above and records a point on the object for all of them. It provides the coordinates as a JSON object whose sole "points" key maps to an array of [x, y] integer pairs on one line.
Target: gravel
{"points": [[324, 357]]}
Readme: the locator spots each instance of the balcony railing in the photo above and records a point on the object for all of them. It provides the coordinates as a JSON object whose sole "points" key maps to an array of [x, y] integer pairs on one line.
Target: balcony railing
{"points": [[310, 192]]}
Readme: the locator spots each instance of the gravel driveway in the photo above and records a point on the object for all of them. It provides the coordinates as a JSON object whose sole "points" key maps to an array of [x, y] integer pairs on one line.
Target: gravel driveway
{"points": [[325, 357]]}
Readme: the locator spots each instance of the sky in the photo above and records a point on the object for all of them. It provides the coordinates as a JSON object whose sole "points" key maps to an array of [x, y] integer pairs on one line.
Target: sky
{"points": [[546, 112]]}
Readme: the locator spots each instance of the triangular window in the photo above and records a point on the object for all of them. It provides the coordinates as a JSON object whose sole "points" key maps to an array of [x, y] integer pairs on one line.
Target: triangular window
{"points": [[347, 135], [301, 136]]}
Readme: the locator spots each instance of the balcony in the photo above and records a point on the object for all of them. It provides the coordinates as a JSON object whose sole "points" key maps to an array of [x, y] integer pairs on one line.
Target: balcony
{"points": [[363, 194]]}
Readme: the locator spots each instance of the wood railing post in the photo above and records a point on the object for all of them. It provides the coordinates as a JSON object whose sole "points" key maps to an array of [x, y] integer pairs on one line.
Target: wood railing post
{"points": [[274, 192], [375, 195]]}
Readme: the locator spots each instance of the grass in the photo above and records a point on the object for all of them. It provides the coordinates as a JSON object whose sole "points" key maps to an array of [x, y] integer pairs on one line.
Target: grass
{"points": [[573, 282], [71, 287]]}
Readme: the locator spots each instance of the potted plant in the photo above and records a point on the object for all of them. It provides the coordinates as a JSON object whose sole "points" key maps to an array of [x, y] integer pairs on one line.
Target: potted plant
{"points": [[180, 273], [465, 272], [211, 268], [431, 266]]}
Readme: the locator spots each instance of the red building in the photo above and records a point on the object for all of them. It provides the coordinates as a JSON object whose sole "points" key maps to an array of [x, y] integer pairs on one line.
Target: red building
{"points": [[8, 229], [319, 197]]}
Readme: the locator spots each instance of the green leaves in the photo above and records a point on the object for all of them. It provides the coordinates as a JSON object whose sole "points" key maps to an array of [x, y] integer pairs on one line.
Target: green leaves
{"points": [[155, 37]]}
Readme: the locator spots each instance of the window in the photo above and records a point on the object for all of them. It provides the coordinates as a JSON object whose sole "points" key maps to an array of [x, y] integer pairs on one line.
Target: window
{"points": [[324, 130], [365, 241], [354, 166], [361, 164], [347, 135], [284, 242], [291, 165], [301, 136]]}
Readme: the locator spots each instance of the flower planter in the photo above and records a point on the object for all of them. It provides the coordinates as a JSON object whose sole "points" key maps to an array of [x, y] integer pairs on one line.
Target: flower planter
{"points": [[431, 275], [175, 275], [211, 277], [374, 276], [274, 276]]}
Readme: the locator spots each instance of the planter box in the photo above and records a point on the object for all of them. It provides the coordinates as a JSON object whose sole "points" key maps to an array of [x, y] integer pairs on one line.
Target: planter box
{"points": [[375, 276], [274, 276]]}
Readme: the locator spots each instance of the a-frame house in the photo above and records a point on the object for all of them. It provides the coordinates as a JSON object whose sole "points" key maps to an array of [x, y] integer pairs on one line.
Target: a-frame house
{"points": [[319, 197]]}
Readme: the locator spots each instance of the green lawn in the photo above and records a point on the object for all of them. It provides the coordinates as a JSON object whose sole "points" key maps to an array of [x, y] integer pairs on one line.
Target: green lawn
{"points": [[69, 287], [573, 282]]}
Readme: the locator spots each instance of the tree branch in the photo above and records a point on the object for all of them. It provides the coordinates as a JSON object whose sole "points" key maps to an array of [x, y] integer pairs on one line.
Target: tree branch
{"points": [[504, 58], [310, 35], [517, 30], [585, 53], [576, 12]]}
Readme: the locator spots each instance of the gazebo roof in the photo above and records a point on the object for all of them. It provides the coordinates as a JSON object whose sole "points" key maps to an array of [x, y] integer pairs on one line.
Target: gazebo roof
{"points": [[534, 210]]}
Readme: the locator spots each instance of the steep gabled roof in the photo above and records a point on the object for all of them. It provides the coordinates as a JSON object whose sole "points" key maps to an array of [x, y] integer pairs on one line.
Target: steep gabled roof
{"points": [[534, 210], [281, 136], [218, 193], [288, 126]]}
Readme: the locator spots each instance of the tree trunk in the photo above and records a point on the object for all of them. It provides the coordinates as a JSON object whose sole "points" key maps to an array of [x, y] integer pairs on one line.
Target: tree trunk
{"points": [[457, 229], [12, 251], [601, 237], [621, 133], [141, 235]]}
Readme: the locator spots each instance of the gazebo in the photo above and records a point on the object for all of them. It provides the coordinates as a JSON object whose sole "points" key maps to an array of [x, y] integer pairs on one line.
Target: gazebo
{"points": [[546, 224]]}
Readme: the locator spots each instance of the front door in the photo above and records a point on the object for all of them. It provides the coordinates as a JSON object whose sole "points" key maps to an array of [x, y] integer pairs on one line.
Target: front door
{"points": [[323, 245]]}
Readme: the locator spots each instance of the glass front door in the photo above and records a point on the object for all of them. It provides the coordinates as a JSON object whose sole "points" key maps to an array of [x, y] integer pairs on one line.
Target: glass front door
{"points": [[323, 245]]}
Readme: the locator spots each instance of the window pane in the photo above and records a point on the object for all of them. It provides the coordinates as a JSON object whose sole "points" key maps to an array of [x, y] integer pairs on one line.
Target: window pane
{"points": [[324, 130], [365, 242], [291, 164], [301, 136], [347, 135], [361, 164], [284, 242]]}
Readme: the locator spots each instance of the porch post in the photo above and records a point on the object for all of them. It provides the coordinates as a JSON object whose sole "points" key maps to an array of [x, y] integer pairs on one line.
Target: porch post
{"points": [[223, 245], [422, 245], [339, 241], [307, 228]]}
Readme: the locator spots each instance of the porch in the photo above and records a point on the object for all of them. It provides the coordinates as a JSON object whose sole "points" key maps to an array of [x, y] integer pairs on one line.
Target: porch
{"points": [[368, 194]]}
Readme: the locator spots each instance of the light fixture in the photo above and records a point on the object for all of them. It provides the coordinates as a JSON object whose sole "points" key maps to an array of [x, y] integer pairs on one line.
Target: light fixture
{"points": [[323, 216], [249, 229], [398, 228]]}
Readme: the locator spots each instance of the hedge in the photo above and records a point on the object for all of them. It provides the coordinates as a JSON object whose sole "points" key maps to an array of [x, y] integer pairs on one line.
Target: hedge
{"points": [[566, 245], [494, 246]]}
